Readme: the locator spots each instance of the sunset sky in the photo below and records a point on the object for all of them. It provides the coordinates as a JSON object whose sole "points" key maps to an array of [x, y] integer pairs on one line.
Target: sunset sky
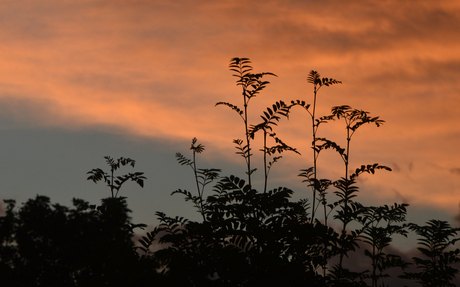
{"points": [[80, 80]]}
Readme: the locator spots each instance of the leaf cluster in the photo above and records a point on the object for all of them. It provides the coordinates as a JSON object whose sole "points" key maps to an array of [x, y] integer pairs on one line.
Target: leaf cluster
{"points": [[270, 118], [315, 78], [115, 182], [354, 118], [257, 235], [437, 266]]}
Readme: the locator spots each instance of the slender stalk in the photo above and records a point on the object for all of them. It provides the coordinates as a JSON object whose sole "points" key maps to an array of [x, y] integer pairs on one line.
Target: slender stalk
{"points": [[247, 135], [200, 192], [265, 161], [196, 175], [346, 161], [111, 181], [248, 141], [314, 153], [348, 151], [325, 212]]}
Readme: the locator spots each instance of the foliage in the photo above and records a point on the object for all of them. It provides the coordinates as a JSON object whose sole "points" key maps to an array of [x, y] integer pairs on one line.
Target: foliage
{"points": [[242, 232], [263, 238], [203, 177], [379, 224], [315, 79], [248, 236], [251, 84], [45, 244], [115, 183], [436, 266]]}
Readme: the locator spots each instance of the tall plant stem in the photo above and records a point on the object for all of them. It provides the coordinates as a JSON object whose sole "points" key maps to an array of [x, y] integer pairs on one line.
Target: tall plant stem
{"points": [[315, 153], [348, 152], [111, 181], [265, 161], [200, 192], [247, 136], [325, 214], [346, 161]]}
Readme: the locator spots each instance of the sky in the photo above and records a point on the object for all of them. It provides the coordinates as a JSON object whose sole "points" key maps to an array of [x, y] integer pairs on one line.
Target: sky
{"points": [[80, 80]]}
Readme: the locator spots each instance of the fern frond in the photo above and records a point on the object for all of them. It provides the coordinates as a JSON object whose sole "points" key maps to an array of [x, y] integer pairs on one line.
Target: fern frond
{"points": [[340, 111], [97, 174], [233, 107], [314, 77], [125, 161], [199, 148], [182, 159], [241, 66], [328, 82], [329, 144], [370, 168]]}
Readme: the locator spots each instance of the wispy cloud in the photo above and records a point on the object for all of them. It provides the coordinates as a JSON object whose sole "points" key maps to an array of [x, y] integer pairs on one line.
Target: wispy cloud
{"points": [[156, 69]]}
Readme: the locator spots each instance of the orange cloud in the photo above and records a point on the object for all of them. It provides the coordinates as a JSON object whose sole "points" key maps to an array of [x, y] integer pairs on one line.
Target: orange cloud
{"points": [[156, 69]]}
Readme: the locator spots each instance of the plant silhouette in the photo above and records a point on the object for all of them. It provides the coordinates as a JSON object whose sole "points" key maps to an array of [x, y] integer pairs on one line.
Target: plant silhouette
{"points": [[315, 79], [247, 235], [252, 238], [115, 182], [437, 264], [251, 84], [203, 177]]}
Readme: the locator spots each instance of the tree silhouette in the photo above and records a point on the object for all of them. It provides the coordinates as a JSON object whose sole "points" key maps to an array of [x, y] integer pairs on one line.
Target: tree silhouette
{"points": [[53, 245]]}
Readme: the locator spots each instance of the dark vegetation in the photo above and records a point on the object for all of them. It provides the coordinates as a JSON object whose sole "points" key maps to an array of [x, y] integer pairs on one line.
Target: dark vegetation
{"points": [[247, 237]]}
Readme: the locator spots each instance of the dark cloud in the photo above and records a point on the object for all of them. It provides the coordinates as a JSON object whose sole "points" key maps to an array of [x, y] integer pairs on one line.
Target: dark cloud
{"points": [[17, 111], [455, 171], [435, 77], [356, 26]]}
